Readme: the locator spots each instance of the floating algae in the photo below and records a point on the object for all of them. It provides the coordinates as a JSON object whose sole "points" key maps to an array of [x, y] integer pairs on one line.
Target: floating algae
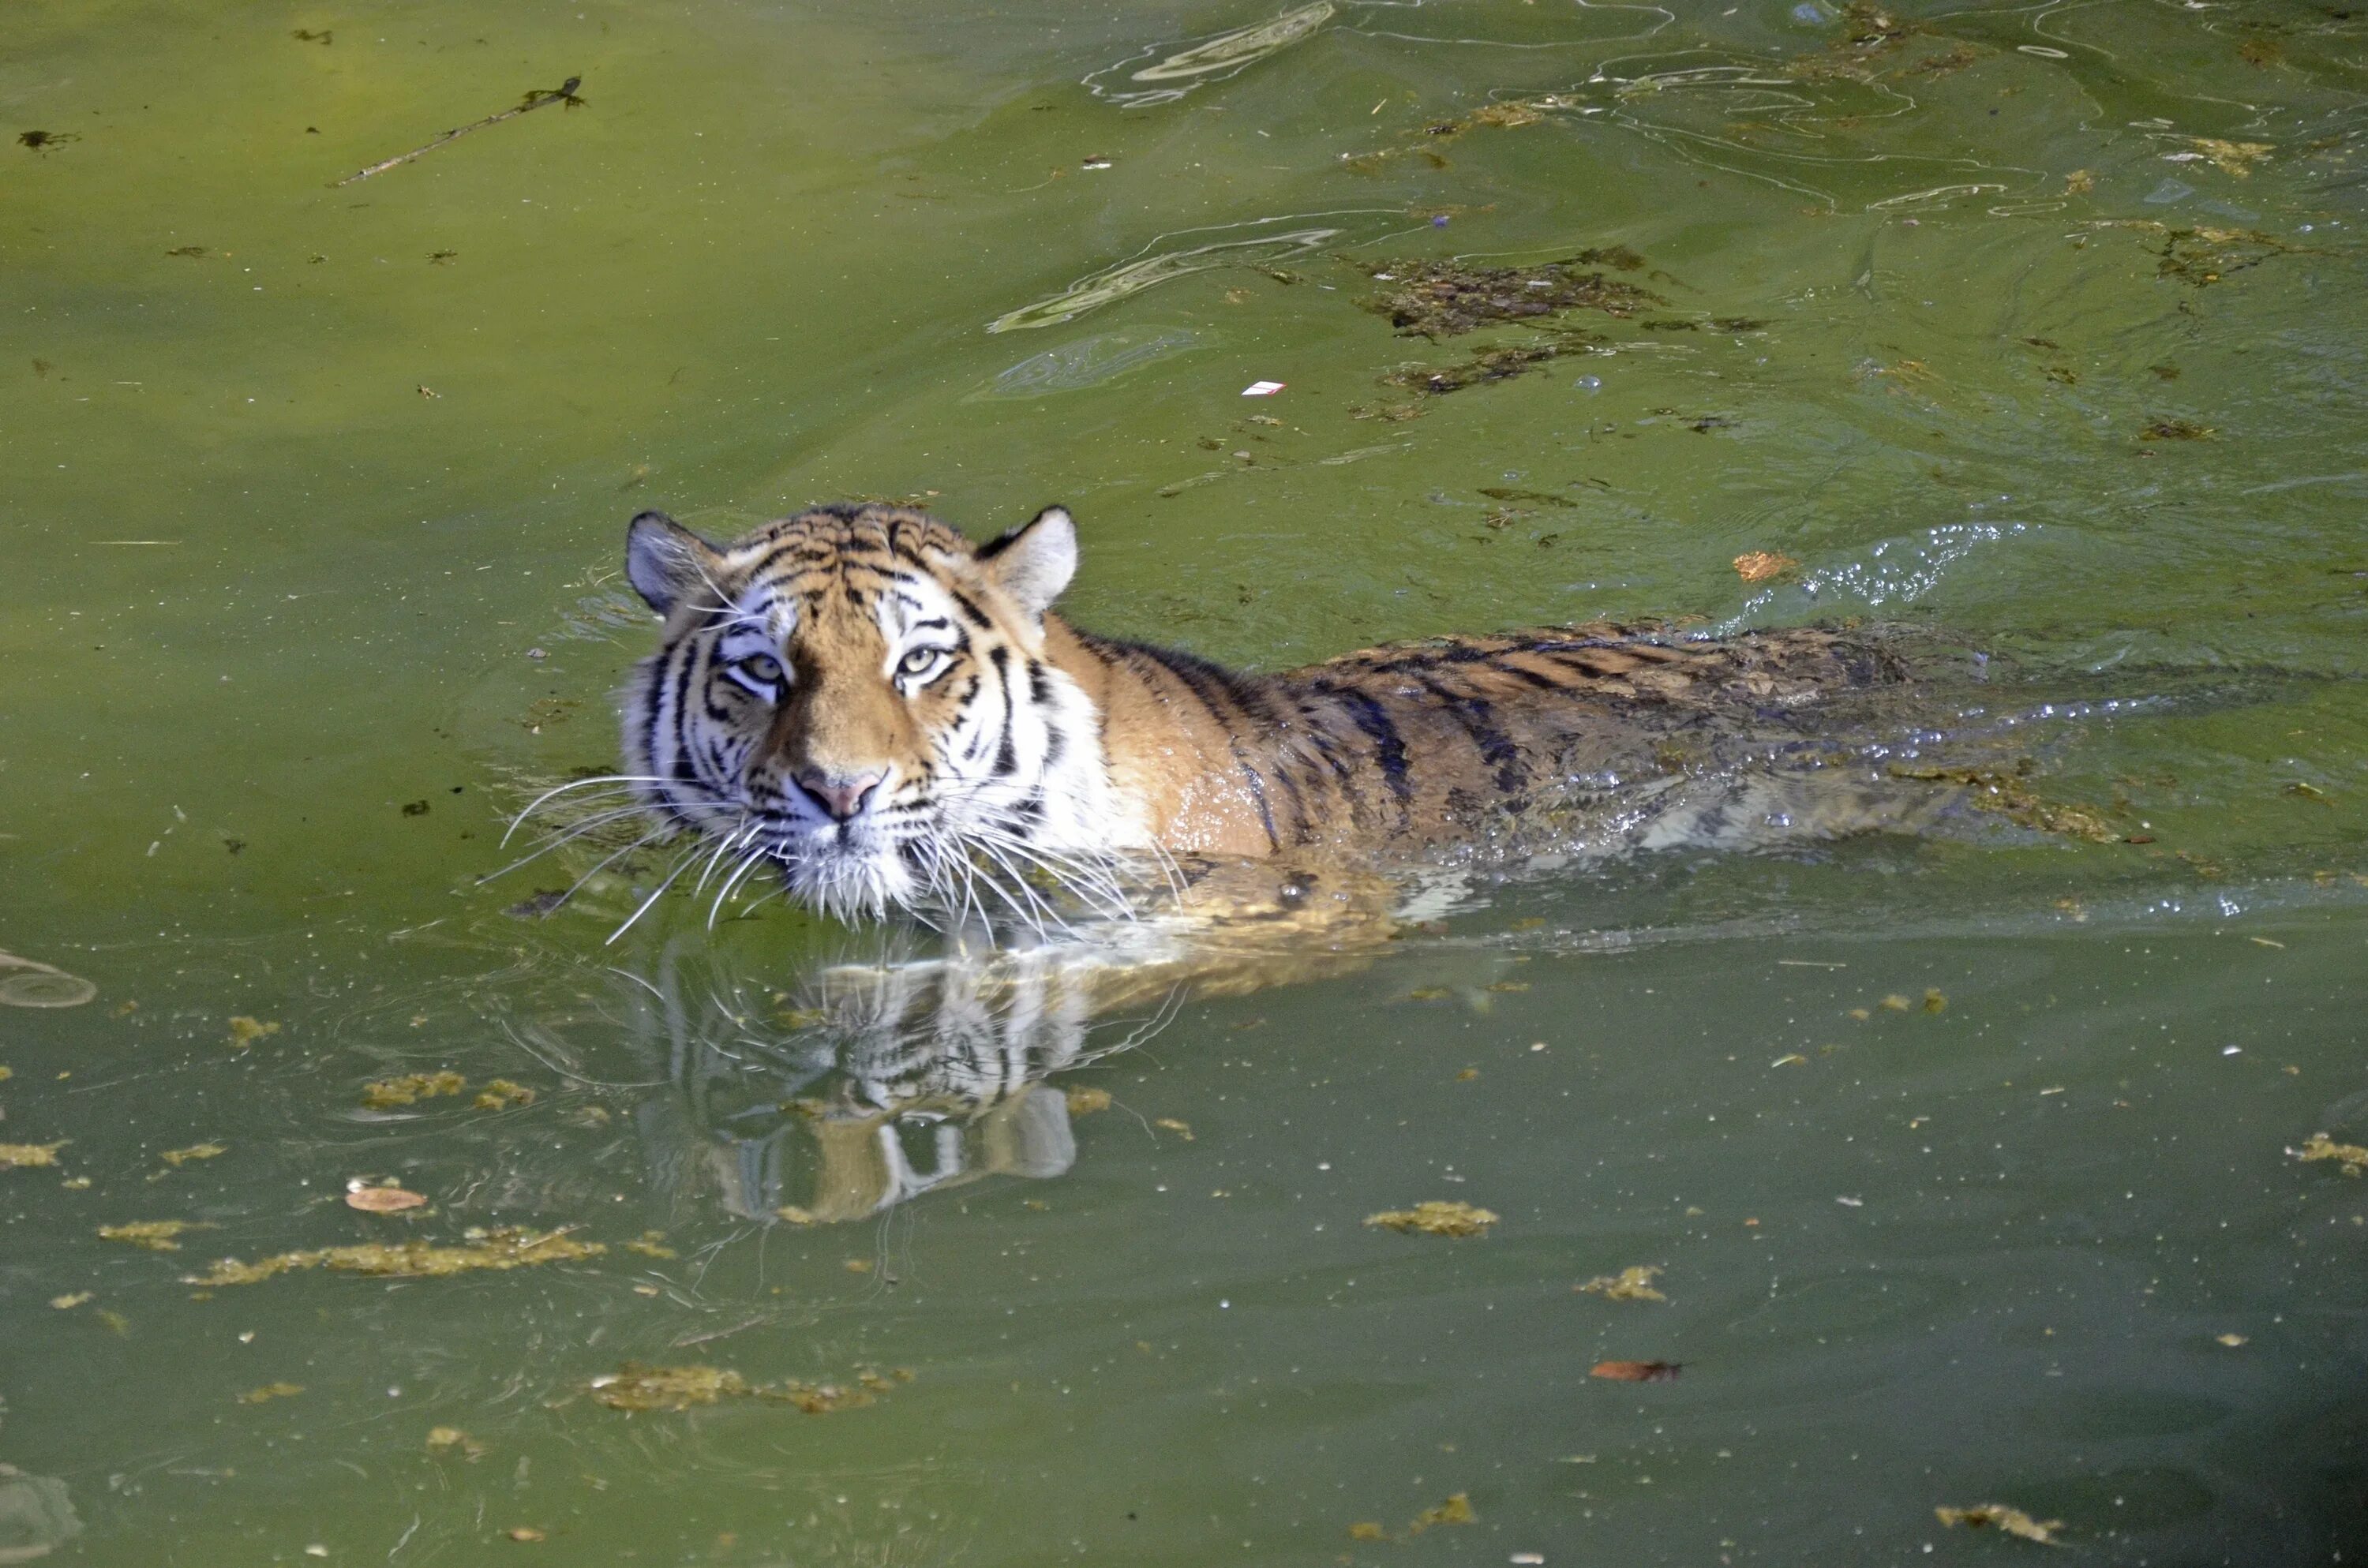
{"points": [[507, 1247], [1445, 299], [501, 1094], [1634, 1284], [244, 1031], [2351, 1158], [2007, 795], [1213, 60], [1489, 365], [270, 1392], [634, 1387], [1436, 1218], [179, 1157], [388, 1092], [1456, 1510], [156, 1236], [23, 1156]]}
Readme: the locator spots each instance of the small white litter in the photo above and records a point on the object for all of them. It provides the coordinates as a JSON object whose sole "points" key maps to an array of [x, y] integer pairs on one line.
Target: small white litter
{"points": [[1262, 389]]}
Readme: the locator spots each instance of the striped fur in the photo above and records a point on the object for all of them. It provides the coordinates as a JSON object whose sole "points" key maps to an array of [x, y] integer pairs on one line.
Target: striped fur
{"points": [[893, 717]]}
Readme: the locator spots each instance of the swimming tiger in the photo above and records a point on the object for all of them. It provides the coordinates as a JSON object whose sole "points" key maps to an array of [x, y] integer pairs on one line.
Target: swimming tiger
{"points": [[893, 717]]}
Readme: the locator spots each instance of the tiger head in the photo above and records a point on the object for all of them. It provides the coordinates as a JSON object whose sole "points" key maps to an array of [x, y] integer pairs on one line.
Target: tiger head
{"points": [[860, 698]]}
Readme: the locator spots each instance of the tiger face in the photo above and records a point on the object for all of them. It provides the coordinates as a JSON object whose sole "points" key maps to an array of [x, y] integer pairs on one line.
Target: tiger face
{"points": [[860, 698]]}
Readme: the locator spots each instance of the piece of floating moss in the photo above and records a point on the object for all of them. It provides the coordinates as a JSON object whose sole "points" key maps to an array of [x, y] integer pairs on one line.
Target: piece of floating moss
{"points": [[179, 1157], [2351, 1158], [2169, 429], [2010, 796], [651, 1244], [2012, 1521], [507, 1247], [501, 1094], [1445, 299], [24, 1156], [1436, 1218], [634, 1387], [1634, 1284], [156, 1236], [448, 1441], [244, 1031], [1456, 1510], [412, 1087], [1489, 365]]}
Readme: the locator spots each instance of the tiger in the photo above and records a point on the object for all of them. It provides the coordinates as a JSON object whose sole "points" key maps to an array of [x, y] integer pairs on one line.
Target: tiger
{"points": [[892, 718]]}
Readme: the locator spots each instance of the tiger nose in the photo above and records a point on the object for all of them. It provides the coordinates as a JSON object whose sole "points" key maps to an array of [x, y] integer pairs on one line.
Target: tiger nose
{"points": [[841, 796]]}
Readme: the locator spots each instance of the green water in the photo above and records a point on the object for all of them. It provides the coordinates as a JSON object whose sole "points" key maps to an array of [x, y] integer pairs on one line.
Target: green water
{"points": [[313, 578]]}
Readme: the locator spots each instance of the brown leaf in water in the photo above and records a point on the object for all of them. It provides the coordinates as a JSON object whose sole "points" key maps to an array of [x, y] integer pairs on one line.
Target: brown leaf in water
{"points": [[1758, 565], [1637, 1371], [387, 1200], [1633, 1284], [2013, 1521], [1436, 1217]]}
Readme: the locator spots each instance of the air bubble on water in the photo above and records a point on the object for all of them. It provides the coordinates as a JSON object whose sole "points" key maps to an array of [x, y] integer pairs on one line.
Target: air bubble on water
{"points": [[1588, 383]]}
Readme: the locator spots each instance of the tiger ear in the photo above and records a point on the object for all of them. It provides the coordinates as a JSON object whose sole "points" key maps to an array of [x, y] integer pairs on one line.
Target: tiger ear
{"points": [[665, 561], [1035, 563]]}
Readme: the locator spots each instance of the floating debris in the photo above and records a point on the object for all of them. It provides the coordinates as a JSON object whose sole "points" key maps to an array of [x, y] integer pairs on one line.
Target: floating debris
{"points": [[1456, 1510], [176, 1158], [1632, 1284], [24, 1156], [2012, 1521], [1446, 299], [244, 1031], [38, 139], [526, 1533], [792, 1214], [2237, 158], [68, 1302], [386, 1093], [1181, 1129], [270, 1392], [1263, 389], [1489, 365], [500, 1094], [156, 1236], [651, 1244], [1637, 1371], [1436, 1217], [1758, 565], [507, 1247], [1085, 1101], [2351, 1158], [2009, 796], [538, 97], [634, 1387], [1368, 1530], [450, 1441], [388, 1198], [2166, 429]]}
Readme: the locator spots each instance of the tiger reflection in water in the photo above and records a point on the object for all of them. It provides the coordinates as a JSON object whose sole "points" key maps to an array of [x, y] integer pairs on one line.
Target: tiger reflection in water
{"points": [[878, 1080]]}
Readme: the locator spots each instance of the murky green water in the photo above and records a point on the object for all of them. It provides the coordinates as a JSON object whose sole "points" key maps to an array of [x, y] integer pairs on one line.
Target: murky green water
{"points": [[317, 497]]}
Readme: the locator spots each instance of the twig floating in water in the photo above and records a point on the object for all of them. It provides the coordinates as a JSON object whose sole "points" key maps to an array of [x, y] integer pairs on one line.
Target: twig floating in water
{"points": [[539, 99]]}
